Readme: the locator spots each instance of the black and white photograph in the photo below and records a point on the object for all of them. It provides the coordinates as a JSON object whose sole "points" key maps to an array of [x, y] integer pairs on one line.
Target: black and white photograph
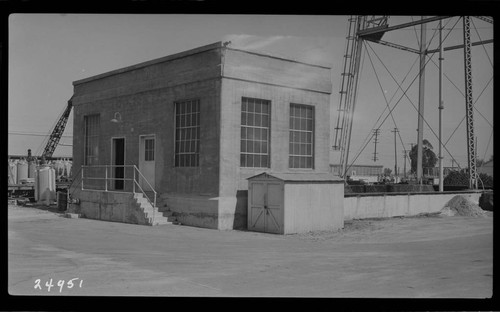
{"points": [[250, 155]]}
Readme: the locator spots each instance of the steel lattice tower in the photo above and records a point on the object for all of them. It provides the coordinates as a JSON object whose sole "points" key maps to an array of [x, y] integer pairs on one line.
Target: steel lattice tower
{"points": [[469, 105]]}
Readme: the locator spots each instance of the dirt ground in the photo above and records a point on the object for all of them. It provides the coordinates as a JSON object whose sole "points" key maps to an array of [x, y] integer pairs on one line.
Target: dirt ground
{"points": [[418, 257]]}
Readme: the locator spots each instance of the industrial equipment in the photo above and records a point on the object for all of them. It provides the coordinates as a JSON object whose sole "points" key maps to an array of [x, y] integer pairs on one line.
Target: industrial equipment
{"points": [[58, 131]]}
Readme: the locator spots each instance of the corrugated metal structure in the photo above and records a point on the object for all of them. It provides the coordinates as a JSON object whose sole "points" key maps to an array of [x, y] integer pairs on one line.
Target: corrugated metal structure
{"points": [[286, 203]]}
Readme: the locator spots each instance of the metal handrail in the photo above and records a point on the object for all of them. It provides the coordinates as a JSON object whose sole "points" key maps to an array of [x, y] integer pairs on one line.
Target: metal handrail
{"points": [[144, 193], [73, 181], [106, 178]]}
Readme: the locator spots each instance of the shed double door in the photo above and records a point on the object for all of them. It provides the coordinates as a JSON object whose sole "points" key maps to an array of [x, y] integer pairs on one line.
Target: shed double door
{"points": [[266, 207]]}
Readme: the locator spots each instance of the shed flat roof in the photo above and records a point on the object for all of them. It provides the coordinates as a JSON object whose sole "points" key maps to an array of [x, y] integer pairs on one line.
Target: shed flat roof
{"points": [[302, 177]]}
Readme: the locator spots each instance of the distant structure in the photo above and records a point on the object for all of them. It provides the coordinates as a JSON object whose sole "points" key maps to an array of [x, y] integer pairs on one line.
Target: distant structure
{"points": [[367, 173], [486, 168]]}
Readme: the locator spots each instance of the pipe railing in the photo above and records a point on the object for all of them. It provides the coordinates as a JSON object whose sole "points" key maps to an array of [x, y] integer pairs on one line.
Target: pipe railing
{"points": [[72, 186], [112, 177]]}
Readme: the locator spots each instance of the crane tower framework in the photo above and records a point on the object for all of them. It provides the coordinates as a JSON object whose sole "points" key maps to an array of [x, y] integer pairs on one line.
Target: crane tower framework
{"points": [[372, 28], [58, 131]]}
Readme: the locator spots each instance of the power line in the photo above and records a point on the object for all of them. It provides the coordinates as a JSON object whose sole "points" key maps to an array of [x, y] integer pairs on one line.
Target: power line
{"points": [[479, 36], [481, 93], [387, 103], [404, 93], [368, 138], [35, 134]]}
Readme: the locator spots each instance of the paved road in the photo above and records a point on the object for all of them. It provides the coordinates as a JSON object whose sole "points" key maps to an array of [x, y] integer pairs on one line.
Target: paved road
{"points": [[443, 257]]}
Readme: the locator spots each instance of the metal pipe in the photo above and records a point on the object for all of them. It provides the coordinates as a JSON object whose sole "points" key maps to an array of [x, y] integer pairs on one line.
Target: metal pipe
{"points": [[421, 88], [395, 156], [106, 178], [133, 184], [441, 107]]}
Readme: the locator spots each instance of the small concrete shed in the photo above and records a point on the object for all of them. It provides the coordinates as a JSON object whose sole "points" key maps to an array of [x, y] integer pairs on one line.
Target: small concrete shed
{"points": [[286, 203]]}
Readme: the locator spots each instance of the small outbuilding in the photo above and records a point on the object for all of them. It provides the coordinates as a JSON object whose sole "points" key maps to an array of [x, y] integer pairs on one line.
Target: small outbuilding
{"points": [[286, 203]]}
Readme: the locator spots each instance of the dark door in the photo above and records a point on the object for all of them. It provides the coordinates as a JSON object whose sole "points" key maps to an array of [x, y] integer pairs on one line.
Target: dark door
{"points": [[118, 160]]}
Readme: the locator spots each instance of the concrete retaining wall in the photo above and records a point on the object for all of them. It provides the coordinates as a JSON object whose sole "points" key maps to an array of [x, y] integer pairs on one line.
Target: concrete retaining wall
{"points": [[392, 205], [193, 210], [109, 206]]}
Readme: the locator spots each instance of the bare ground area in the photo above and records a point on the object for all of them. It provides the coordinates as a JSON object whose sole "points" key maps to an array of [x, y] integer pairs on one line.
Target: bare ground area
{"points": [[420, 257]]}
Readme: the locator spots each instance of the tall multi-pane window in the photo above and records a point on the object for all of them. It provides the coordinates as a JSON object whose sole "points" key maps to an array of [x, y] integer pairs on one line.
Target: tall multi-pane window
{"points": [[91, 139], [301, 147], [187, 133], [255, 121]]}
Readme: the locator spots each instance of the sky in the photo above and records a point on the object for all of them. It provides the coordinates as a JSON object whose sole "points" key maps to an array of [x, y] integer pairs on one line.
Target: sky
{"points": [[47, 52]]}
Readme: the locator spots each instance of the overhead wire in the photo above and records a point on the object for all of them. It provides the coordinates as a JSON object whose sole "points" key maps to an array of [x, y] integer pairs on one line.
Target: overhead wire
{"points": [[44, 142], [35, 134], [385, 98], [463, 118], [473, 105], [383, 93], [365, 143], [479, 36], [415, 31], [368, 137], [404, 94]]}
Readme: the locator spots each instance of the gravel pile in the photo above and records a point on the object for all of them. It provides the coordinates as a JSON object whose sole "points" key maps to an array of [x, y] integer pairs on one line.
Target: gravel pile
{"points": [[462, 206]]}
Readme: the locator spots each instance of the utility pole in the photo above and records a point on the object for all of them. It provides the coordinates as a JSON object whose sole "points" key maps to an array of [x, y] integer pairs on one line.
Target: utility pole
{"points": [[441, 107], [421, 84], [404, 157], [376, 132], [395, 155]]}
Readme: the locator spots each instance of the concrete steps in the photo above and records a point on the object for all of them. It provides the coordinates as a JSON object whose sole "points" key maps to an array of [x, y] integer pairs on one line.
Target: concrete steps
{"points": [[160, 217]]}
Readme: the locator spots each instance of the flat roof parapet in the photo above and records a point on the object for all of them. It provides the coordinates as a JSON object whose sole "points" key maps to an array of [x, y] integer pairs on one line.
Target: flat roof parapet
{"points": [[179, 55]]}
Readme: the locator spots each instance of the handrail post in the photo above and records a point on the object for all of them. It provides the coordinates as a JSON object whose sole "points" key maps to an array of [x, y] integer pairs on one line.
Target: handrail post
{"points": [[106, 178], [82, 176], [154, 205], [133, 182]]}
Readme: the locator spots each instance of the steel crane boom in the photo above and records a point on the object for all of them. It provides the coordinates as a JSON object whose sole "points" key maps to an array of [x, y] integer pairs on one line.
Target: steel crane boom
{"points": [[58, 131]]}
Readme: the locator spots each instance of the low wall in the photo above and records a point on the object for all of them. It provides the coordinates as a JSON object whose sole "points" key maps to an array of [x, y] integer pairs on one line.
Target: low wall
{"points": [[108, 206], [362, 206], [193, 210], [222, 213]]}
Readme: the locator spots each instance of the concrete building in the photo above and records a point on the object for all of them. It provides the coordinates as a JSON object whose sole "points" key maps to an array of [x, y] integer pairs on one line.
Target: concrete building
{"points": [[197, 124]]}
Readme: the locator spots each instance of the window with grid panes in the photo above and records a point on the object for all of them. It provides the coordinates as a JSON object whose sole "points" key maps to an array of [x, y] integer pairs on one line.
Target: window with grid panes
{"points": [[91, 139], [149, 150], [187, 133], [255, 124], [301, 147]]}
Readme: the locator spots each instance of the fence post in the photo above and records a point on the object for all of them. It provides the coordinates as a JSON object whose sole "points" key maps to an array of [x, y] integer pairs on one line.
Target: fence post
{"points": [[82, 176]]}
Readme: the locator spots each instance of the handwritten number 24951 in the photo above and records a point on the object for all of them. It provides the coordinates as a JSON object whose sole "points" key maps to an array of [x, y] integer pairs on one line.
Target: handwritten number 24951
{"points": [[60, 283]]}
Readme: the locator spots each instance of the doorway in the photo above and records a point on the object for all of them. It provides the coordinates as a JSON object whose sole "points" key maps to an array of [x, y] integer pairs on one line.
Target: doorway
{"points": [[118, 161], [147, 162]]}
